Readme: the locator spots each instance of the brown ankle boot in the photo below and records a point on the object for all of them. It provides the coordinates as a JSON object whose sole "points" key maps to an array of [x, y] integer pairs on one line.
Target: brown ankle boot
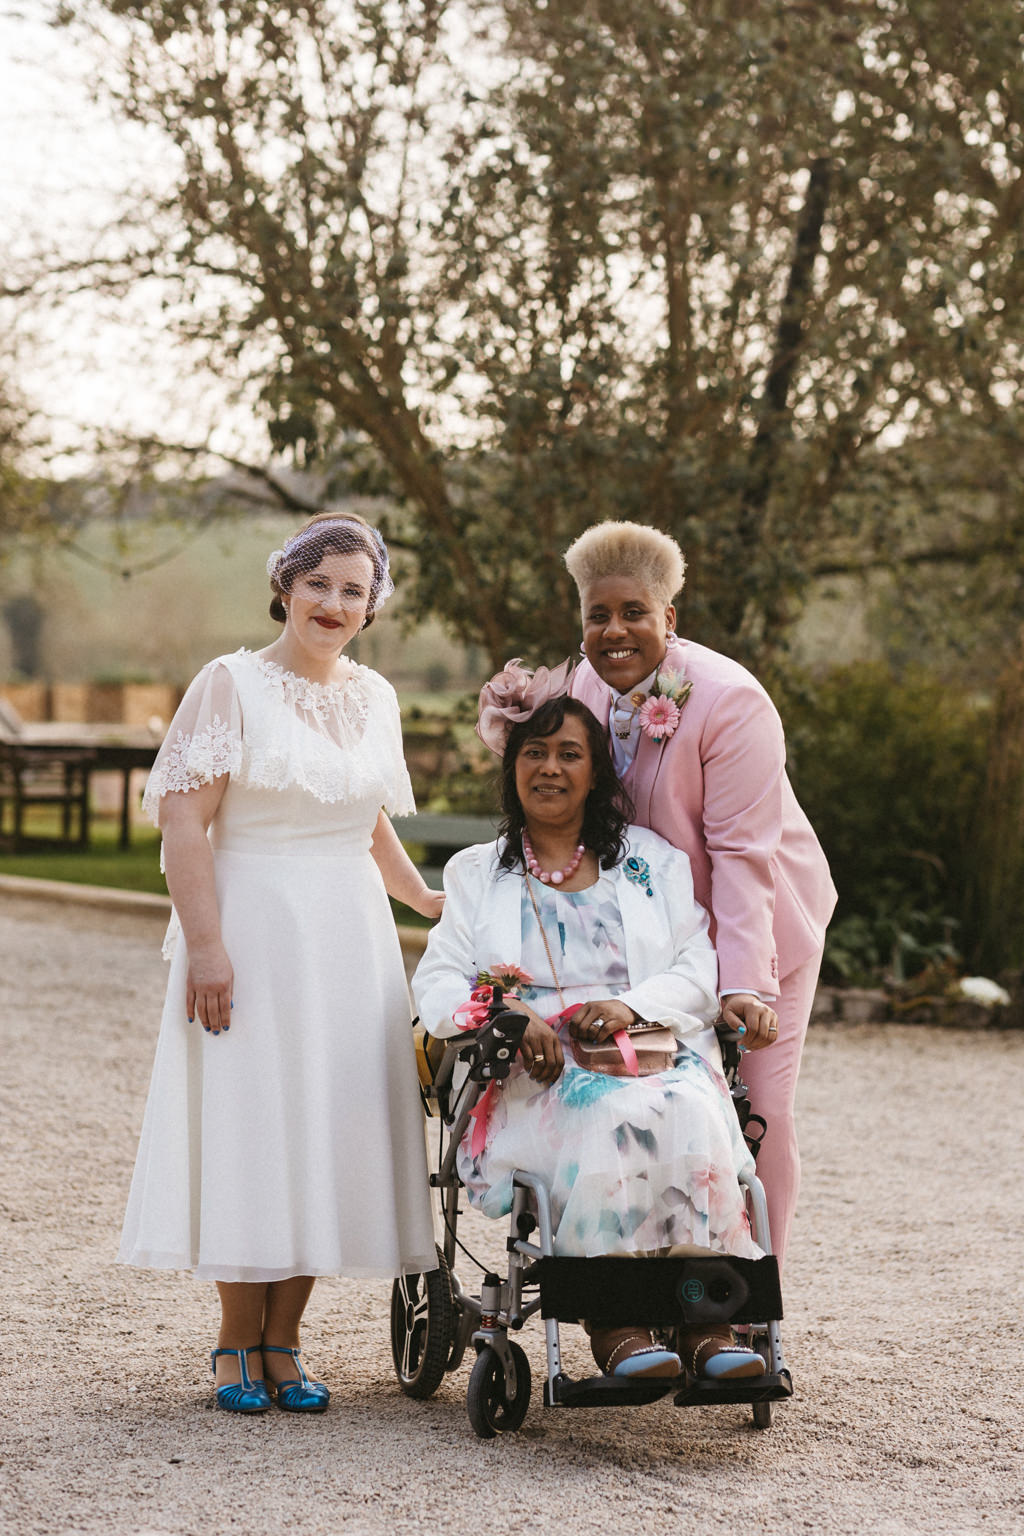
{"points": [[714, 1354], [631, 1352]]}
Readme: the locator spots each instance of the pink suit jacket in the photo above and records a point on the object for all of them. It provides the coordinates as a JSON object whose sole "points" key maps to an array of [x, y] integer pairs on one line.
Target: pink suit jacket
{"points": [[718, 790]]}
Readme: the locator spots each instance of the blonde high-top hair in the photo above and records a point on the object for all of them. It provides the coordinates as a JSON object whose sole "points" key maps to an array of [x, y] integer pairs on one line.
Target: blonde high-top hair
{"points": [[644, 554]]}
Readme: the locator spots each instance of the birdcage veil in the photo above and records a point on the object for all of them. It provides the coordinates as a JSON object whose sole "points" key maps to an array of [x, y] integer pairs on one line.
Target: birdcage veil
{"points": [[302, 556]]}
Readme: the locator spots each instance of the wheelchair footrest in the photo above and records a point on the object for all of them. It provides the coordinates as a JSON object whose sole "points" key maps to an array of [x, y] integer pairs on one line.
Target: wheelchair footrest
{"points": [[700, 1392], [607, 1391], [696, 1292]]}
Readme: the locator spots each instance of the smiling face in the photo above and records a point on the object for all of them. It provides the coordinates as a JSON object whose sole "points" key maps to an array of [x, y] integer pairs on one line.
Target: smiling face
{"points": [[625, 630], [326, 606], [554, 776]]}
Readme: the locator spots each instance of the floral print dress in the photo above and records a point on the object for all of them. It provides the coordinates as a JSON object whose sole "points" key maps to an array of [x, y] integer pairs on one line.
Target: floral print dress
{"points": [[633, 1164]]}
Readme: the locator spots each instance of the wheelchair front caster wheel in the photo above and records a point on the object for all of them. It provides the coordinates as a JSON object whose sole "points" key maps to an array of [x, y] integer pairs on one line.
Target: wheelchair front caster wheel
{"points": [[422, 1328], [762, 1411], [491, 1410]]}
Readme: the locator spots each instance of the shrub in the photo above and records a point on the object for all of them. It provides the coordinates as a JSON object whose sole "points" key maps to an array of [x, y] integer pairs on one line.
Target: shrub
{"points": [[889, 769], [995, 888]]}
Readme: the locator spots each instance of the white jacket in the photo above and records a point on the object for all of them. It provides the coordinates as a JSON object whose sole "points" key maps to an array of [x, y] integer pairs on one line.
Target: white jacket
{"points": [[673, 970]]}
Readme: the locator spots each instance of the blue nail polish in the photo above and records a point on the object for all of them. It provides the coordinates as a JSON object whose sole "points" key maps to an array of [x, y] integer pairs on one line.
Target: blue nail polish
{"points": [[232, 1002], [741, 1029]]}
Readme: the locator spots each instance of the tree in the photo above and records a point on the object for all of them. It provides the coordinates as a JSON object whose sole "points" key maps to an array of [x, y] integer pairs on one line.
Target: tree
{"points": [[527, 265], [22, 502], [757, 243]]}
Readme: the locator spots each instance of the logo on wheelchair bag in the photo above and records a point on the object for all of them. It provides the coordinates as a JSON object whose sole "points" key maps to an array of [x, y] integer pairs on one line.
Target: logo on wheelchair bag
{"points": [[692, 1290]]}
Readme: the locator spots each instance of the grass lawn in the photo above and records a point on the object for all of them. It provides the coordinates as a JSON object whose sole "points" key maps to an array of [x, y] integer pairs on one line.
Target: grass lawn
{"points": [[103, 863]]}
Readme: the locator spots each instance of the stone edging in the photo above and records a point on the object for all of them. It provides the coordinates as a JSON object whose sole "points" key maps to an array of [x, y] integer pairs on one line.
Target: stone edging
{"points": [[104, 897], [871, 1005]]}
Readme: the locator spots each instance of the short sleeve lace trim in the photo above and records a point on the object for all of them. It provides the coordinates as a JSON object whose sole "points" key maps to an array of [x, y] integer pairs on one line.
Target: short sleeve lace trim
{"points": [[204, 741], [195, 760]]}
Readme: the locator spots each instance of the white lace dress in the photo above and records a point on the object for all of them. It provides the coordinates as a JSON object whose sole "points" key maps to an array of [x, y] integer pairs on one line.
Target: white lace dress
{"points": [[292, 1144]]}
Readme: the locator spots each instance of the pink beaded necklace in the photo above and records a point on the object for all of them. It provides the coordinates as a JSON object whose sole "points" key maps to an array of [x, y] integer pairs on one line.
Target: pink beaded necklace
{"points": [[558, 876]]}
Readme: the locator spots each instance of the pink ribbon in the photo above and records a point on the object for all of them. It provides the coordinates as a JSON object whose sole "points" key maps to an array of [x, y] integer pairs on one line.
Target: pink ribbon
{"points": [[471, 1015], [474, 1014], [479, 1115], [627, 1052]]}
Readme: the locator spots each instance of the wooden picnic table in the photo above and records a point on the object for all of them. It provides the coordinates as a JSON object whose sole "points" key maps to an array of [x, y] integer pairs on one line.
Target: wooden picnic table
{"points": [[53, 763], [36, 773]]}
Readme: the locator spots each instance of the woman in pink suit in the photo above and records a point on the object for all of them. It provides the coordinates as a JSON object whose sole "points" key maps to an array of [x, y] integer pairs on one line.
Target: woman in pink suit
{"points": [[699, 745]]}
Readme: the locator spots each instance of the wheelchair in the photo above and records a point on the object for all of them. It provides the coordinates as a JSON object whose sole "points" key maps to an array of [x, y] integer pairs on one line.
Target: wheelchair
{"points": [[435, 1320]]}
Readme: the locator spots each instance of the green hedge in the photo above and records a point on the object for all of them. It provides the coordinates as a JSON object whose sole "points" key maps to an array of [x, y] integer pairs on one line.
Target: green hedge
{"points": [[890, 770]]}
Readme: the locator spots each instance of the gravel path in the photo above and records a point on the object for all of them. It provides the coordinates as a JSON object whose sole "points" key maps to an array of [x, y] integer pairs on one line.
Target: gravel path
{"points": [[902, 1325]]}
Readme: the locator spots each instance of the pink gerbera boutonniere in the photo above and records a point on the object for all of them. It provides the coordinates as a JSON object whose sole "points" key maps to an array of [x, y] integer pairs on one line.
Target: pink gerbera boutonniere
{"points": [[658, 718], [660, 711]]}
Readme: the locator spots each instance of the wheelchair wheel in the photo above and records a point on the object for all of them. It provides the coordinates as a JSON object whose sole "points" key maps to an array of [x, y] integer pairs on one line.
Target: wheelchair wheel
{"points": [[762, 1411], [490, 1410], [422, 1328]]}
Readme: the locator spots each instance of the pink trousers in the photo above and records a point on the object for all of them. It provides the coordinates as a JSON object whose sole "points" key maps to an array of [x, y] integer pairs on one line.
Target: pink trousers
{"points": [[771, 1075]]}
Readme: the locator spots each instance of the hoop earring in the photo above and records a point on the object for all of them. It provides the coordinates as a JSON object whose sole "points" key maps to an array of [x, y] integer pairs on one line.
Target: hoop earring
{"points": [[583, 649], [670, 634]]}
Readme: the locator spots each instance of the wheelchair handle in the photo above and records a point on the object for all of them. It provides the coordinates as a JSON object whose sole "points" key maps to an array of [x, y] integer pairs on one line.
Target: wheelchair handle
{"points": [[727, 1036], [497, 1042]]}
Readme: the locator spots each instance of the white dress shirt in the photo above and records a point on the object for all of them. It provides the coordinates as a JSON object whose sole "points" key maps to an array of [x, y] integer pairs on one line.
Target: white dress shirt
{"points": [[624, 716]]}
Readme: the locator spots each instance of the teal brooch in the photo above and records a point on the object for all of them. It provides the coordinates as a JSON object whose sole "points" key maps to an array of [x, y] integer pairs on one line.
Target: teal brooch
{"points": [[639, 872]]}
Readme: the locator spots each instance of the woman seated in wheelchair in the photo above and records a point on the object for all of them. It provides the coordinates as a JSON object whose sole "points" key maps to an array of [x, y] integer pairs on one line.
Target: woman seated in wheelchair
{"points": [[593, 922]]}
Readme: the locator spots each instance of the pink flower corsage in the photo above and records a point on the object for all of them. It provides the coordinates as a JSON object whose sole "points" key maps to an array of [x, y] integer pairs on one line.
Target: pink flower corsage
{"points": [[510, 978]]}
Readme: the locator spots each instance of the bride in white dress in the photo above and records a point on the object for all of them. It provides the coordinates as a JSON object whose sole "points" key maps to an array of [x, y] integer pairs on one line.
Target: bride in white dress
{"points": [[282, 1137]]}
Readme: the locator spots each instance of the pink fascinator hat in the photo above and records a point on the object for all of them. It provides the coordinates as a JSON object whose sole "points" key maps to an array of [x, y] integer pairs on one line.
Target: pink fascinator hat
{"points": [[513, 695]]}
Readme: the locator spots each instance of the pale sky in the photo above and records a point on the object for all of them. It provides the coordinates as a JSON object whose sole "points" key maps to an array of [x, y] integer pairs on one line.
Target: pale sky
{"points": [[63, 161]]}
